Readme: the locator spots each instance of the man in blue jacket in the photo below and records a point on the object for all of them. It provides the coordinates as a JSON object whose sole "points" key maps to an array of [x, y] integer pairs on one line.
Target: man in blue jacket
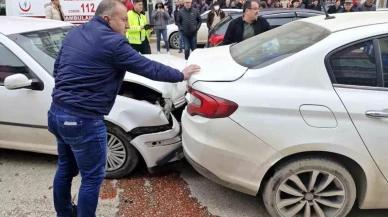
{"points": [[88, 72]]}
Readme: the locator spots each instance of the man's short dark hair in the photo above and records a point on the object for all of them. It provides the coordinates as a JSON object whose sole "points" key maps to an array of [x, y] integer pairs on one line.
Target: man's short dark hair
{"points": [[248, 5], [137, 1]]}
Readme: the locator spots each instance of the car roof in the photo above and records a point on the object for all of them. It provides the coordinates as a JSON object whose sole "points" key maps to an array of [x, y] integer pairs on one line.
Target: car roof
{"points": [[12, 24], [343, 21], [281, 10]]}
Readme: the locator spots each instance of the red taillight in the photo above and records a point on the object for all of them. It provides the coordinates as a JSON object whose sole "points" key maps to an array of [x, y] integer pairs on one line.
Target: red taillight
{"points": [[215, 40], [210, 106]]}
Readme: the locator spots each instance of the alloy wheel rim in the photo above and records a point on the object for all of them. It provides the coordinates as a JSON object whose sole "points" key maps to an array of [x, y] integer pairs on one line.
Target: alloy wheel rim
{"points": [[116, 155], [312, 193], [176, 41]]}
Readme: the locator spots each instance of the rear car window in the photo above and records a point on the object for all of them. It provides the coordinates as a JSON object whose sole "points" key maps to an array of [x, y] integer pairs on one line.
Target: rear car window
{"points": [[276, 44]]}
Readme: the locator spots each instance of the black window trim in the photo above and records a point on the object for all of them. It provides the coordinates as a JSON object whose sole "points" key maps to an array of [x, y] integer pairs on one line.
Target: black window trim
{"points": [[379, 65], [37, 83]]}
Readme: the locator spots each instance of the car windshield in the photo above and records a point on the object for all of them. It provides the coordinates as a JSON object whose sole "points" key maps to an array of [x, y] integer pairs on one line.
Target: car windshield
{"points": [[42, 45], [274, 45]]}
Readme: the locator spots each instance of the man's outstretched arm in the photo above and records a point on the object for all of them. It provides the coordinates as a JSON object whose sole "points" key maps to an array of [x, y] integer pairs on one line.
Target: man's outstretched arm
{"points": [[126, 58]]}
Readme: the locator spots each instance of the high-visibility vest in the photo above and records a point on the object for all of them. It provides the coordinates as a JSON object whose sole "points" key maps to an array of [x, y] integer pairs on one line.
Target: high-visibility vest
{"points": [[134, 34]]}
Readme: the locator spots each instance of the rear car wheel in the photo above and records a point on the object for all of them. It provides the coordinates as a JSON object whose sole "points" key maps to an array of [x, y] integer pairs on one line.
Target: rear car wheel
{"points": [[310, 187], [122, 157], [174, 40]]}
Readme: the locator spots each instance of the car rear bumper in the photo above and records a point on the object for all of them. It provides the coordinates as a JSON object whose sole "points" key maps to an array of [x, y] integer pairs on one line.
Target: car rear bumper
{"points": [[162, 147], [213, 177], [226, 153]]}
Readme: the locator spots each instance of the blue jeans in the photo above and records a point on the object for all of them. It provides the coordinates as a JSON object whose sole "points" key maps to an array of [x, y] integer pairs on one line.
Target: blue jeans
{"points": [[190, 43], [82, 147], [159, 32], [180, 40]]}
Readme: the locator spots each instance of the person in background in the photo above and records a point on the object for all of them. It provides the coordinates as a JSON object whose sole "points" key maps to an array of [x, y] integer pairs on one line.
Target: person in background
{"points": [[215, 16], [335, 8], [233, 5], [203, 7], [176, 12], [239, 4], [247, 26], [367, 6], [356, 4], [161, 17], [348, 6], [128, 4], [306, 3], [194, 4], [227, 4], [189, 22], [138, 36], [285, 3], [262, 5], [168, 4], [315, 6], [277, 4], [269, 4], [54, 11], [297, 4], [88, 72]]}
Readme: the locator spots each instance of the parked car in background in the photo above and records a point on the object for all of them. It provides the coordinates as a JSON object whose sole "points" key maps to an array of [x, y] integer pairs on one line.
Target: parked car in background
{"points": [[173, 33], [298, 113], [275, 17], [141, 124]]}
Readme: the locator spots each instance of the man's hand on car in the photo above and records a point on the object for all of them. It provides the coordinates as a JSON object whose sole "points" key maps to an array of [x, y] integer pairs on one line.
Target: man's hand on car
{"points": [[190, 70]]}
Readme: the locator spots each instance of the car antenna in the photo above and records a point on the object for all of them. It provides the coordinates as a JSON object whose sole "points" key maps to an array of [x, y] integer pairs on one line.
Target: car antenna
{"points": [[324, 9]]}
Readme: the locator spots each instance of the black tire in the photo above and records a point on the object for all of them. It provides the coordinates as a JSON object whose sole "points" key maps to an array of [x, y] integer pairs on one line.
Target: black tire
{"points": [[132, 155], [327, 166], [173, 39]]}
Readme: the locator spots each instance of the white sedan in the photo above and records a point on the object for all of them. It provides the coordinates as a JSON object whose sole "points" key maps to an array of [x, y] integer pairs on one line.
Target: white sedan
{"points": [[298, 113], [140, 124], [202, 36]]}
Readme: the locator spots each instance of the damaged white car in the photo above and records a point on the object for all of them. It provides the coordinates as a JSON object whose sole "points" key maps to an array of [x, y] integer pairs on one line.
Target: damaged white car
{"points": [[142, 123]]}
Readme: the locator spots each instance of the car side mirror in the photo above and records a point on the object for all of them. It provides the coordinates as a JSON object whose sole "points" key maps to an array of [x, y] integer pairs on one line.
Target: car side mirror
{"points": [[17, 81]]}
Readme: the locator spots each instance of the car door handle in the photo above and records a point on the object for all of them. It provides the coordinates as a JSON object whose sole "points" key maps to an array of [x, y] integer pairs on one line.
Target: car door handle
{"points": [[376, 114]]}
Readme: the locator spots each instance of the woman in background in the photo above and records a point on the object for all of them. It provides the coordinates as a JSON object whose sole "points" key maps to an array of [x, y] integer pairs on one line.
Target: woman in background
{"points": [[161, 18]]}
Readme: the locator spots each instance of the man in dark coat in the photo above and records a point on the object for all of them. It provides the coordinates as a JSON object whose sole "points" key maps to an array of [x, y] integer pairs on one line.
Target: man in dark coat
{"points": [[189, 21], [247, 26]]}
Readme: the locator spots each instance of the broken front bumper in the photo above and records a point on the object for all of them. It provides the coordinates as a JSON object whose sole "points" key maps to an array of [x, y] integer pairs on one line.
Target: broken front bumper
{"points": [[160, 148]]}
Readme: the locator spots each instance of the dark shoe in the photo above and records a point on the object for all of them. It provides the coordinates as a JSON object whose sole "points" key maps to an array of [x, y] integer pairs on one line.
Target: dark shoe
{"points": [[74, 214], [180, 51]]}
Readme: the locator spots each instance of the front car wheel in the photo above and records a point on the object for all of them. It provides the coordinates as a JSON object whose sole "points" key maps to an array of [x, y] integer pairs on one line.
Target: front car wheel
{"points": [[122, 157], [310, 187]]}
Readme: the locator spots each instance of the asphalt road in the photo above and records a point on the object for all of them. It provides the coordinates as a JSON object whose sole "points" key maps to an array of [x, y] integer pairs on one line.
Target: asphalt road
{"points": [[26, 191]]}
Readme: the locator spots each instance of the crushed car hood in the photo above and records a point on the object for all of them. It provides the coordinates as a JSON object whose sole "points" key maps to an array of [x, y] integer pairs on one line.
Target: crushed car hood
{"points": [[174, 91]]}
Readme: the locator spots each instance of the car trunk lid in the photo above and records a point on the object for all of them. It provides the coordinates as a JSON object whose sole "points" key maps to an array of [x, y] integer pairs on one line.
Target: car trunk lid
{"points": [[215, 67]]}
